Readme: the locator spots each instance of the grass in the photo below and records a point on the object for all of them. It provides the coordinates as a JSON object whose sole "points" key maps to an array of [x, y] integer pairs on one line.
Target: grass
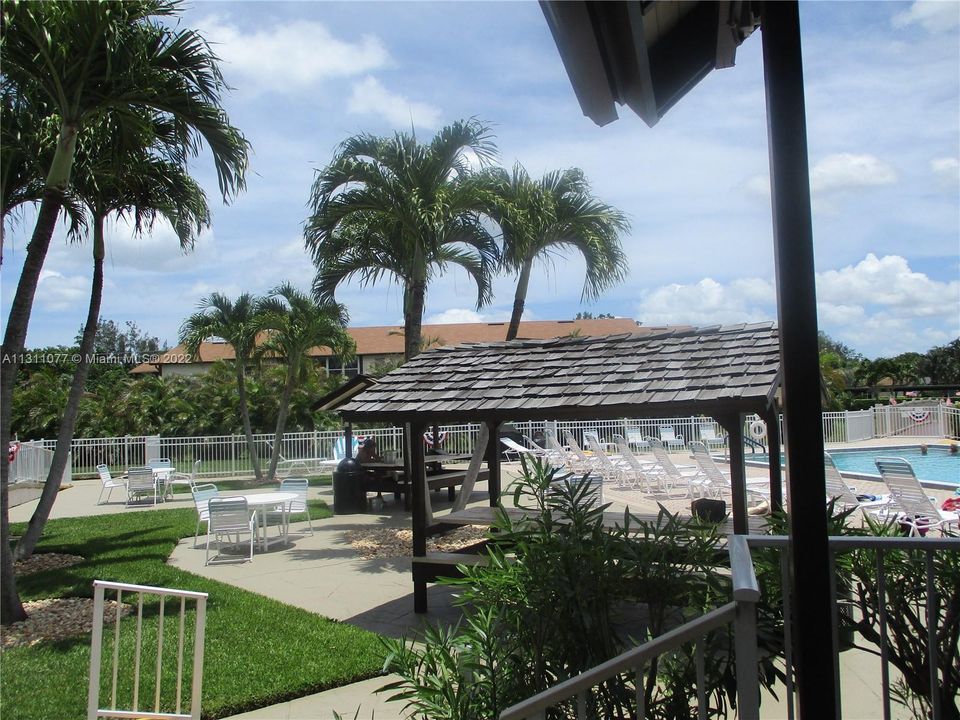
{"points": [[258, 651], [251, 483]]}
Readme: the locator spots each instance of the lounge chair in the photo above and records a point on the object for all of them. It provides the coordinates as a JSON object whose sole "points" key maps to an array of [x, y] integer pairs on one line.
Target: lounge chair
{"points": [[607, 467], [644, 472], [838, 489], [108, 482], [669, 437], [636, 440], [710, 438], [688, 476], [516, 449], [581, 461], [917, 510], [716, 482]]}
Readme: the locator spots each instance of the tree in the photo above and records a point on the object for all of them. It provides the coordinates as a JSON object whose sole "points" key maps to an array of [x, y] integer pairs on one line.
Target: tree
{"points": [[847, 354], [396, 208], [548, 217], [591, 316], [135, 183], [127, 344], [295, 323], [77, 60], [941, 364], [238, 322]]}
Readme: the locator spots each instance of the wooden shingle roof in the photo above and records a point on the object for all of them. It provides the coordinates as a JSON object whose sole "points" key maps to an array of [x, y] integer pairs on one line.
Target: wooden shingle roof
{"points": [[706, 370]]}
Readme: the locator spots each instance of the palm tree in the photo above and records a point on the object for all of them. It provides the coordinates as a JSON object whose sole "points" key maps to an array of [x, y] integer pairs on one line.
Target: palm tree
{"points": [[239, 323], [77, 60], [545, 217], [396, 208], [296, 323], [135, 183]]}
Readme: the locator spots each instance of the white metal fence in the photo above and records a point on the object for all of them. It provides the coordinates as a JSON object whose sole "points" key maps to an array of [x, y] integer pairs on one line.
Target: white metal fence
{"points": [[127, 656], [32, 463], [228, 455]]}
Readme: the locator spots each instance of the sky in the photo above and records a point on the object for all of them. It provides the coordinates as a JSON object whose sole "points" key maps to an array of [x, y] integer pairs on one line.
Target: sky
{"points": [[883, 111]]}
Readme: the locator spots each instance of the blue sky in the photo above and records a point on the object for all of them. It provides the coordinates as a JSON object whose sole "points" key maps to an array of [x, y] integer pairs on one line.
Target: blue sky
{"points": [[883, 111]]}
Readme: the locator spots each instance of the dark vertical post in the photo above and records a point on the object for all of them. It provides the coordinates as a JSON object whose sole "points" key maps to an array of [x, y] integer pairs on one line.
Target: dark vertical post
{"points": [[797, 308], [493, 462], [733, 424], [772, 419], [416, 473], [348, 440]]}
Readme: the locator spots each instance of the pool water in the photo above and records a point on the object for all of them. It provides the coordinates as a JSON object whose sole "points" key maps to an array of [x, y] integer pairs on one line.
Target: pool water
{"points": [[938, 465]]}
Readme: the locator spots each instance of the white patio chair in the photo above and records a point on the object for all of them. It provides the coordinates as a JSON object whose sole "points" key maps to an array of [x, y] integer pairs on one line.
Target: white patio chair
{"points": [[605, 466], [687, 476], [299, 505], [107, 482], [561, 456], [229, 516], [838, 489], [201, 496], [715, 481], [646, 473], [159, 463], [581, 462], [140, 484], [710, 438], [636, 440], [669, 437], [907, 495], [181, 479]]}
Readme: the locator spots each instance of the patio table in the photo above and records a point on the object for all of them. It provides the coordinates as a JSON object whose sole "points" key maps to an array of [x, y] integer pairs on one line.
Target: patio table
{"points": [[262, 502]]}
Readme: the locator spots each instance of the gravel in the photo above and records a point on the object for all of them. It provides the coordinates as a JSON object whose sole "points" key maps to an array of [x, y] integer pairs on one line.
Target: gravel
{"points": [[398, 542], [57, 619]]}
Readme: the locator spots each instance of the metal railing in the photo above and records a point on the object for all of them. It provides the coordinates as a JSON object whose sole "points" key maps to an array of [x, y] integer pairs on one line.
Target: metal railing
{"points": [[741, 612], [149, 627], [228, 455]]}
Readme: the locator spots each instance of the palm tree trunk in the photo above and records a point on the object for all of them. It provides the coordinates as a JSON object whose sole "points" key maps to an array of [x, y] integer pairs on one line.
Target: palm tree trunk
{"points": [[284, 411], [11, 609], [413, 302], [519, 299], [245, 416], [68, 423]]}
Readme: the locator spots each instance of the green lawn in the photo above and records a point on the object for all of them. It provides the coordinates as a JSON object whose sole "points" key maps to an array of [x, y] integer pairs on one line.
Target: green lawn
{"points": [[251, 483], [258, 651]]}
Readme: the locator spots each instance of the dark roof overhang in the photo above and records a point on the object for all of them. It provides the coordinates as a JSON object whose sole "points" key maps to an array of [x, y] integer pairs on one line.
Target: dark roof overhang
{"points": [[646, 55], [334, 399]]}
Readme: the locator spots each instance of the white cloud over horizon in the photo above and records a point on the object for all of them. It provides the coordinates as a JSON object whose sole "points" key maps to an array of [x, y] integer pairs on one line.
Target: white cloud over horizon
{"points": [[935, 16]]}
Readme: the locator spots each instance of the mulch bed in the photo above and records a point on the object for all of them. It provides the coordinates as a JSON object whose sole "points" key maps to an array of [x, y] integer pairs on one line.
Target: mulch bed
{"points": [[45, 561], [398, 542], [57, 619]]}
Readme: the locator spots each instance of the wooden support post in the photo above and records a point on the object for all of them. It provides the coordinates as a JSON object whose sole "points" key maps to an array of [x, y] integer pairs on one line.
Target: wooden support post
{"points": [[733, 424], [493, 462], [814, 652], [348, 440], [772, 419], [416, 474]]}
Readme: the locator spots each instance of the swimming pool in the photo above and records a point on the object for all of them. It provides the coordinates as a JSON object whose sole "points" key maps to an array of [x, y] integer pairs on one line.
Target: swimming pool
{"points": [[937, 466]]}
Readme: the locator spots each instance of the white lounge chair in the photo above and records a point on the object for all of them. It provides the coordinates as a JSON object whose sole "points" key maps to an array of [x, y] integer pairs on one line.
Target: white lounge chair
{"points": [[688, 476], [581, 462], [108, 482], [710, 437], [636, 440], [716, 482], [512, 447], [838, 489], [141, 483], [646, 473], [907, 495], [229, 516], [560, 455], [670, 438], [605, 466]]}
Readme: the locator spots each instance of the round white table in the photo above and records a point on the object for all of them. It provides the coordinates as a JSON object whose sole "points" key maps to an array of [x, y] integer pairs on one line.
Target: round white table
{"points": [[262, 502]]}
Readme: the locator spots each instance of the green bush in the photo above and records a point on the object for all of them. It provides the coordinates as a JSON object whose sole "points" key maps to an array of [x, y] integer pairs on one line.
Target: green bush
{"points": [[562, 594]]}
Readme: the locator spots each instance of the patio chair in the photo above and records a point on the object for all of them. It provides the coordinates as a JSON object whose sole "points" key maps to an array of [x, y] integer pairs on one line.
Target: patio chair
{"points": [[516, 449], [636, 440], [201, 496], [844, 495], [108, 482], [645, 472], [918, 511], [688, 476], [581, 461], [669, 437], [141, 484], [715, 481], [560, 454], [605, 466], [229, 516], [298, 486], [710, 438], [159, 463], [181, 479]]}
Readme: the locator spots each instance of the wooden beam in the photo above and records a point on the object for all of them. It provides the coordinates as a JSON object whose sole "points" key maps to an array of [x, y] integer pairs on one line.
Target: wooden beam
{"points": [[493, 462], [733, 424], [814, 652], [416, 474], [774, 462]]}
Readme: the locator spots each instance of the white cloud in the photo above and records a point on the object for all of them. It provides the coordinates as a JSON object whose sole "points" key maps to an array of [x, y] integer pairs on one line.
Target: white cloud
{"points": [[843, 171], [947, 170], [708, 303], [155, 250], [370, 97], [464, 315], [57, 291], [934, 16], [889, 282], [290, 57]]}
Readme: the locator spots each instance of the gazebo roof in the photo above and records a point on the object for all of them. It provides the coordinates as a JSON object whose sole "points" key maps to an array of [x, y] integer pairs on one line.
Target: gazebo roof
{"points": [[710, 371]]}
